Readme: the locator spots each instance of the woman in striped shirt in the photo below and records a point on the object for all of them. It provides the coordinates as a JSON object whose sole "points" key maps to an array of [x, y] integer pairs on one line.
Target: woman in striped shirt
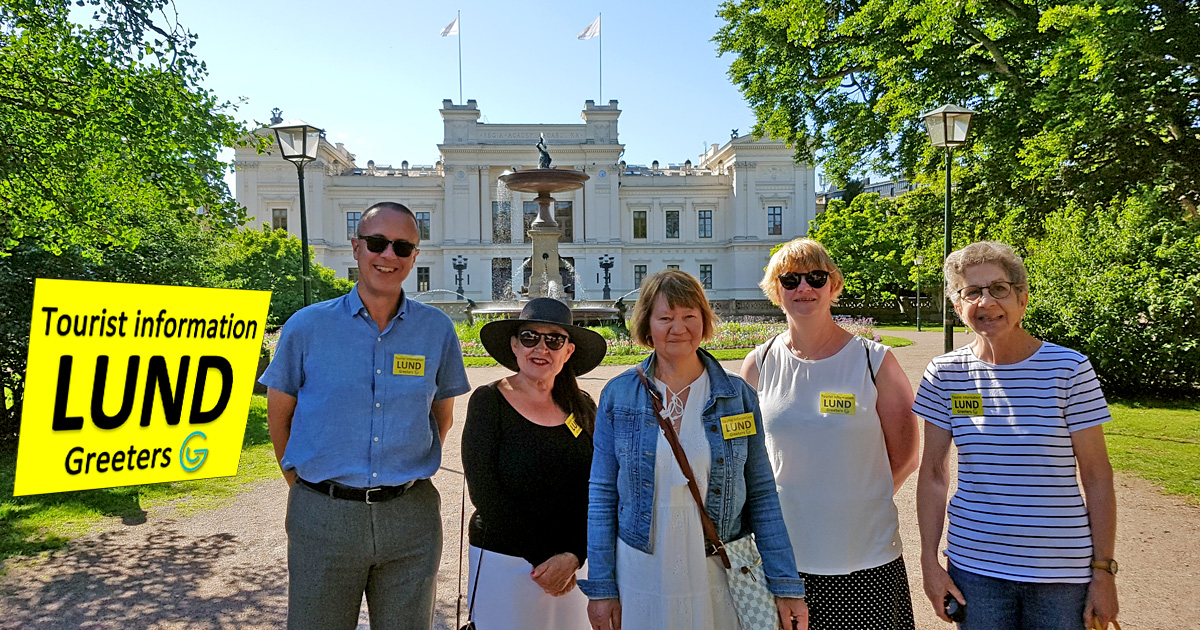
{"points": [[1025, 550]]}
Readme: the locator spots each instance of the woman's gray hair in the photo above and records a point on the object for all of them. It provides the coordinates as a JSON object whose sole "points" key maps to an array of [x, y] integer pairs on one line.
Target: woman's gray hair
{"points": [[982, 253]]}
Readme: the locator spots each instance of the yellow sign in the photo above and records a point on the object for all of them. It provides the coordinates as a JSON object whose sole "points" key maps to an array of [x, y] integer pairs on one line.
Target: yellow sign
{"points": [[837, 403], [408, 365], [738, 426], [966, 404], [130, 384], [574, 426]]}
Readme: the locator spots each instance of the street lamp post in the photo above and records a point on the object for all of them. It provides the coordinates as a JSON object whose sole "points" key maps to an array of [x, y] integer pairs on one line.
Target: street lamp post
{"points": [[606, 263], [298, 141], [460, 265], [920, 260], [947, 127]]}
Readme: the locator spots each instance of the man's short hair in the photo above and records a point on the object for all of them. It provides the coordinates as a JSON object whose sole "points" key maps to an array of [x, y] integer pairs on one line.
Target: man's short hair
{"points": [[385, 205]]}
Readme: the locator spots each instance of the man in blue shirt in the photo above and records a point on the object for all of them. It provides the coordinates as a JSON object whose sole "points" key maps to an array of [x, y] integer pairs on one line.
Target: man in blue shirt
{"points": [[360, 398]]}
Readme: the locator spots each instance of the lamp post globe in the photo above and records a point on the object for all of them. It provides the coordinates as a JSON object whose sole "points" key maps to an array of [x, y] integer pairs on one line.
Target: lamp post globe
{"points": [[948, 127], [297, 141]]}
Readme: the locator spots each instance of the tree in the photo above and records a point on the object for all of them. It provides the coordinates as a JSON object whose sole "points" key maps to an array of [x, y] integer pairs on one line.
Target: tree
{"points": [[1082, 100], [868, 240], [105, 125], [108, 159], [267, 260]]}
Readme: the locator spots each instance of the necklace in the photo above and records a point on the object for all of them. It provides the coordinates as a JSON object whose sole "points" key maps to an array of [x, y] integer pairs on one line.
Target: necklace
{"points": [[673, 412]]}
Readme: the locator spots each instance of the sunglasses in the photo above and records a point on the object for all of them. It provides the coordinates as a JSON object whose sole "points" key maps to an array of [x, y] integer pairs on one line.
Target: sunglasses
{"points": [[998, 290], [376, 244], [816, 279], [554, 341]]}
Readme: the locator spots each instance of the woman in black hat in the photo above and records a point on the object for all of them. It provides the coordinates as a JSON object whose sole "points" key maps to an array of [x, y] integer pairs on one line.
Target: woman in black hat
{"points": [[527, 452]]}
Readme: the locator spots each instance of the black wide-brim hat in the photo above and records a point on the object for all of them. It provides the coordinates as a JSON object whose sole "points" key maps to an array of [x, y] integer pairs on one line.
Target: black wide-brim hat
{"points": [[590, 347]]}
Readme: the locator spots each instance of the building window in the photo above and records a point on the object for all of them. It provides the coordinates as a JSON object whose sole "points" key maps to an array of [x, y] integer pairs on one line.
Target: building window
{"points": [[502, 279], [639, 224], [705, 217], [639, 274], [706, 276], [352, 219], [774, 220], [352, 273], [563, 216], [502, 222], [279, 219], [423, 225], [530, 210], [422, 279], [672, 224], [675, 267]]}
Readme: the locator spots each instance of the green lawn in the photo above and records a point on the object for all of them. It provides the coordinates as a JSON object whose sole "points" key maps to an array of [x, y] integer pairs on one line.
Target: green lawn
{"points": [[925, 327], [36, 523], [1159, 442]]}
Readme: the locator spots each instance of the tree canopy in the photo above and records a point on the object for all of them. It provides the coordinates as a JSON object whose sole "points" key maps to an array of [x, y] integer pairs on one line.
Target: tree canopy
{"points": [[1082, 100], [107, 135]]}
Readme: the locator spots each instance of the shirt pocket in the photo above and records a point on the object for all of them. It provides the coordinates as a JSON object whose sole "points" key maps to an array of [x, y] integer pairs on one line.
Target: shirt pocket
{"points": [[623, 425]]}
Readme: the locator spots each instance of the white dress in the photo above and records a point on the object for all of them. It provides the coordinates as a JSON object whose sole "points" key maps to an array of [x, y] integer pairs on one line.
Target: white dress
{"points": [[676, 586]]}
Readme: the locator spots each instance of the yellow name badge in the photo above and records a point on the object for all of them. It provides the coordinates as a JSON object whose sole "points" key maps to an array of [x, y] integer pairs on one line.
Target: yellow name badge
{"points": [[408, 365], [837, 403], [574, 426], [738, 426], [966, 404]]}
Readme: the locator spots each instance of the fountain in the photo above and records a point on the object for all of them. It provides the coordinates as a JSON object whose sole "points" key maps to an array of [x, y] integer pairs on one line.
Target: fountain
{"points": [[545, 232]]}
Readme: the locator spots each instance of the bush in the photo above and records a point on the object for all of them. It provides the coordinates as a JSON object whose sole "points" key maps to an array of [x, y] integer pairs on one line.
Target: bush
{"points": [[267, 260], [1122, 285]]}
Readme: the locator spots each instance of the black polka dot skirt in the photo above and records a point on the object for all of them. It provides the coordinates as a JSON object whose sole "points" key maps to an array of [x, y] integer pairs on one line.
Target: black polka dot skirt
{"points": [[871, 599]]}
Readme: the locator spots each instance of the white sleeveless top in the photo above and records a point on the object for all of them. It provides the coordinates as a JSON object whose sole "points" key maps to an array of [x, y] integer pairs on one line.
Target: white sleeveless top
{"points": [[826, 448]]}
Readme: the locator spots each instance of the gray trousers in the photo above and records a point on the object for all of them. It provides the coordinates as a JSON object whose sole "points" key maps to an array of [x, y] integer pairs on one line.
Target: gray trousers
{"points": [[338, 550]]}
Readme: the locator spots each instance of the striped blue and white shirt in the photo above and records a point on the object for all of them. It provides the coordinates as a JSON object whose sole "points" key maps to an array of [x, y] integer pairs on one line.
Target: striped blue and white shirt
{"points": [[1018, 513]]}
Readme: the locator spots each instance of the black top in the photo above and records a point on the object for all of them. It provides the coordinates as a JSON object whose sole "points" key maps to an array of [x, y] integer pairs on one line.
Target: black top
{"points": [[529, 483]]}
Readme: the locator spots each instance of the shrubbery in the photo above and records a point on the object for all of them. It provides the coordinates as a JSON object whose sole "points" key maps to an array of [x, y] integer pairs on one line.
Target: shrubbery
{"points": [[1122, 285]]}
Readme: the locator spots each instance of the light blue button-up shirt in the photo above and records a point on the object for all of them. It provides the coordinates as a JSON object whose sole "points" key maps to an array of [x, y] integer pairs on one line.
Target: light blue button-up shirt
{"points": [[363, 397]]}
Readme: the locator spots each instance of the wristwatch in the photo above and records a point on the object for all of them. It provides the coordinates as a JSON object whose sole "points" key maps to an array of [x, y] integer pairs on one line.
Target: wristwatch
{"points": [[1109, 565]]}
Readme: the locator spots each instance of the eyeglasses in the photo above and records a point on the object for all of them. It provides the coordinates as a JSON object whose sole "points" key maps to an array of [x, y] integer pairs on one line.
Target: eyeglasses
{"points": [[816, 279], [998, 290], [376, 244], [554, 341]]}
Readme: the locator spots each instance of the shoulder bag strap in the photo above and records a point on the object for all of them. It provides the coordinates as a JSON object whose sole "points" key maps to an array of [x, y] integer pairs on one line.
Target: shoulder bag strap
{"points": [[761, 358], [714, 546], [870, 368]]}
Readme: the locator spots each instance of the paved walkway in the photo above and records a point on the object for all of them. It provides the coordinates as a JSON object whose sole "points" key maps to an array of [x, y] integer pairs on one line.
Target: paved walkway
{"points": [[226, 568]]}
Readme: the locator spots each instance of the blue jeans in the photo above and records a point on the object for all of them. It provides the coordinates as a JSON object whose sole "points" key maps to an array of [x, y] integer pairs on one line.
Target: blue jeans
{"points": [[998, 604]]}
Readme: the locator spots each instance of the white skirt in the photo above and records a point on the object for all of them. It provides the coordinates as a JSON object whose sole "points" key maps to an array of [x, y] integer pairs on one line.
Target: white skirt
{"points": [[508, 599]]}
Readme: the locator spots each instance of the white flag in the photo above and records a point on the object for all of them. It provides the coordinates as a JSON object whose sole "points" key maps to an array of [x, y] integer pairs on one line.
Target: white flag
{"points": [[451, 28], [592, 30]]}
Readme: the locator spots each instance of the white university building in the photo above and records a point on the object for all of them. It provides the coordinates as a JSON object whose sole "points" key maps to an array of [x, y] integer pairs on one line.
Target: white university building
{"points": [[716, 219]]}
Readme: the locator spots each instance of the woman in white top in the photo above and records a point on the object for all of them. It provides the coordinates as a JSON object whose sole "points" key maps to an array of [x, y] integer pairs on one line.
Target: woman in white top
{"points": [[1025, 551], [842, 438]]}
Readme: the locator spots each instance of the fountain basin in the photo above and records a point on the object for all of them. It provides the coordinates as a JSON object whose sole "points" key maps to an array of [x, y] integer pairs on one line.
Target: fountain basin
{"points": [[544, 180]]}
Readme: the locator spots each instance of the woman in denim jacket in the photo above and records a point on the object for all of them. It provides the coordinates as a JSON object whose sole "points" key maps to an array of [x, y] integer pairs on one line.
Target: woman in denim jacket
{"points": [[646, 551]]}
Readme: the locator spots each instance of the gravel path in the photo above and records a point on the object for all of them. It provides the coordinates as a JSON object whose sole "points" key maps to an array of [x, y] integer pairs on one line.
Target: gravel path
{"points": [[226, 568]]}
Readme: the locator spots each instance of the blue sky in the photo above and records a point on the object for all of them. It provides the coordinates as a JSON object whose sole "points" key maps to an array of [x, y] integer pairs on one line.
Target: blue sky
{"points": [[373, 74]]}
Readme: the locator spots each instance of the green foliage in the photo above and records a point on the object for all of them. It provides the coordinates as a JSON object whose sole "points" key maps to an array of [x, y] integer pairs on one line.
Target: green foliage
{"points": [[867, 240], [1122, 286], [1076, 99], [266, 260], [107, 131]]}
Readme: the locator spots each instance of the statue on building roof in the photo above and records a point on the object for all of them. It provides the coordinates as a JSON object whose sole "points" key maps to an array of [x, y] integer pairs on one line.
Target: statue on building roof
{"points": [[733, 134], [544, 157], [276, 116]]}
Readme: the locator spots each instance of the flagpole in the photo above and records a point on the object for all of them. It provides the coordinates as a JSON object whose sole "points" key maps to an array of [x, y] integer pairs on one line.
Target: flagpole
{"points": [[459, 19], [600, 23]]}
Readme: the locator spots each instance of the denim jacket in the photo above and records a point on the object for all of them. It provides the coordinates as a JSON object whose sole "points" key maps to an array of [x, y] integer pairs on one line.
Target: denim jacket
{"points": [[741, 496]]}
